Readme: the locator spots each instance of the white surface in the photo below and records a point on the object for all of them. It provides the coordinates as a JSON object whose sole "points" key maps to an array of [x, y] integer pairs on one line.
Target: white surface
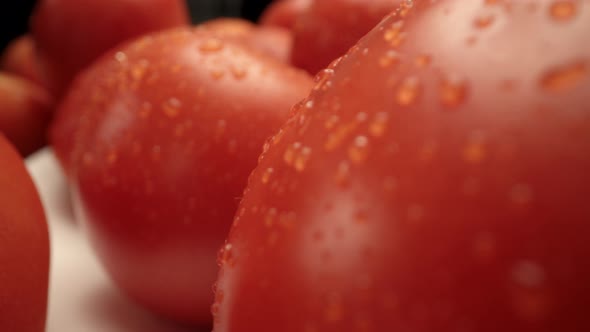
{"points": [[81, 297]]}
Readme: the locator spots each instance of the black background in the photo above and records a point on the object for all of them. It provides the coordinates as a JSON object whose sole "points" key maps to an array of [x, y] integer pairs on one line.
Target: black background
{"points": [[14, 15]]}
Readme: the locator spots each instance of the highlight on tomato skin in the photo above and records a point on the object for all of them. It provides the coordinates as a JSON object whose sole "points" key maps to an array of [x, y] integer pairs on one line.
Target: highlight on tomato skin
{"points": [[24, 250], [157, 139], [435, 179]]}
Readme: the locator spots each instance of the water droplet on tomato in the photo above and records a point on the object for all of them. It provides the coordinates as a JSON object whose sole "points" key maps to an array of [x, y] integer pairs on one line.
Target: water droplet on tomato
{"points": [[266, 175], [563, 10], [269, 218], [302, 158], [361, 216], [378, 126], [211, 45], [521, 194], [528, 274], [389, 59], [394, 35], [423, 60], [226, 255], [564, 77], [342, 175], [453, 91], [408, 91], [331, 121], [322, 79], [309, 104], [291, 152], [238, 72], [475, 151], [120, 56], [171, 107], [483, 22], [359, 150]]}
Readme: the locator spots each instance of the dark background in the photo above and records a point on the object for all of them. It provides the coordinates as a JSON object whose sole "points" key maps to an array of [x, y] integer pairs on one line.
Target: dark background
{"points": [[14, 15]]}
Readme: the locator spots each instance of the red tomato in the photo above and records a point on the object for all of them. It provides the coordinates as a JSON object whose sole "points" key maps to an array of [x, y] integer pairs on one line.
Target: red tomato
{"points": [[19, 58], [284, 13], [436, 179], [330, 27], [24, 247], [70, 34], [25, 111], [274, 41], [171, 126]]}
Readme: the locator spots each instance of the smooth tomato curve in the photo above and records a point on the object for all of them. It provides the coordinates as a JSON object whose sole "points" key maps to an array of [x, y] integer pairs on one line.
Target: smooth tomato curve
{"points": [[24, 248], [166, 131], [436, 179], [20, 58], [25, 112], [328, 28], [70, 34]]}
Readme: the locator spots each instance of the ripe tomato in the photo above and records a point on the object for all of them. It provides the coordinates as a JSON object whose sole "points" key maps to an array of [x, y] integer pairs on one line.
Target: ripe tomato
{"points": [[24, 247], [171, 126], [70, 34], [436, 179], [19, 58], [274, 41], [25, 112], [284, 13], [328, 28]]}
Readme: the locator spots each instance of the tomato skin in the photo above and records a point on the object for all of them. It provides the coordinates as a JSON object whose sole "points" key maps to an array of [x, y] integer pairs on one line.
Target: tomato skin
{"points": [[284, 13], [24, 253], [273, 41], [19, 58], [174, 125], [70, 34], [25, 112], [328, 28], [449, 194]]}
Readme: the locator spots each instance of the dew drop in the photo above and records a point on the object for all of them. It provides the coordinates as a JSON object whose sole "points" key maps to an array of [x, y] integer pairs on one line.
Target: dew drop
{"points": [[528, 274], [226, 255], [291, 152], [238, 72], [483, 22], [331, 121], [408, 91], [388, 59], [422, 61], [211, 45], [359, 150], [564, 77], [267, 174], [121, 56], [171, 107], [563, 10], [521, 194], [453, 91], [378, 126], [322, 79], [302, 159], [309, 104], [393, 34], [342, 175], [270, 217]]}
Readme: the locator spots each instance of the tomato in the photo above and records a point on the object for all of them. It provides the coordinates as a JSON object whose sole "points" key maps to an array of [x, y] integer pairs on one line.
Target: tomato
{"points": [[171, 126], [436, 179], [284, 13], [25, 112], [70, 34], [19, 58], [328, 28], [274, 41], [24, 250]]}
